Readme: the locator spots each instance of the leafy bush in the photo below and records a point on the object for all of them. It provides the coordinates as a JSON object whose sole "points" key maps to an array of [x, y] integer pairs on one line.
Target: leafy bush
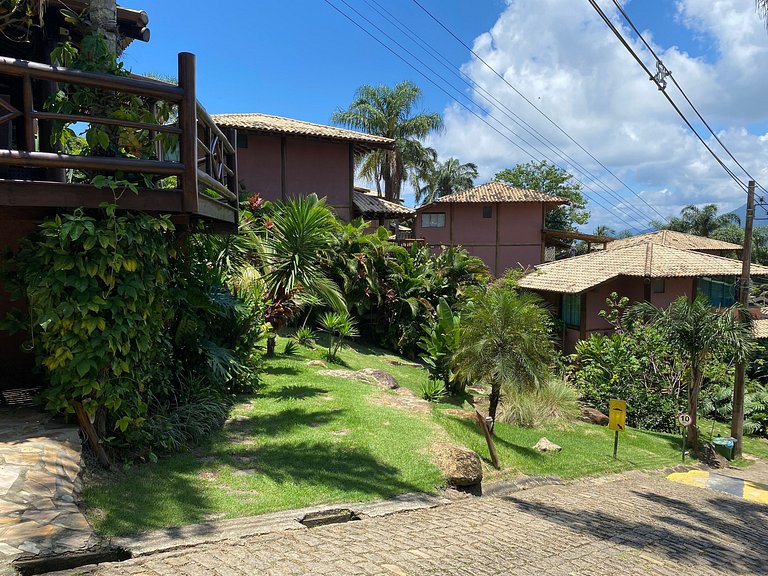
{"points": [[338, 326], [556, 400], [290, 348], [305, 336], [433, 390], [635, 364], [717, 402], [439, 342]]}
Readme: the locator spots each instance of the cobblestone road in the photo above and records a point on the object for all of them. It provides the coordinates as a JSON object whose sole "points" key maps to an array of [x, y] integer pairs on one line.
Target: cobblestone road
{"points": [[632, 524]]}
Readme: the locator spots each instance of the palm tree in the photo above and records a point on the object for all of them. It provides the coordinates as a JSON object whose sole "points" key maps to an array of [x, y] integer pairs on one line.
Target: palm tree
{"points": [[388, 112], [703, 221], [699, 333], [762, 10], [299, 239], [103, 17], [443, 178], [604, 230], [505, 341]]}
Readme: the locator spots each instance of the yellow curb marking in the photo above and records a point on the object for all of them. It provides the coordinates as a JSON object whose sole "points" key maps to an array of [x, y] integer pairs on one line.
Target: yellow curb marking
{"points": [[698, 478], [756, 492], [752, 491]]}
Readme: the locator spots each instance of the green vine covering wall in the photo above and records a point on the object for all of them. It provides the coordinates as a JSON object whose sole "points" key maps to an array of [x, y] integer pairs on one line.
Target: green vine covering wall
{"points": [[95, 289]]}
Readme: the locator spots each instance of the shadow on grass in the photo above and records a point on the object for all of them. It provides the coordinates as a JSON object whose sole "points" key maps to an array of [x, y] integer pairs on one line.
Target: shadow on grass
{"points": [[294, 392], [674, 441], [472, 427], [458, 400], [282, 422], [673, 528], [281, 370], [143, 499]]}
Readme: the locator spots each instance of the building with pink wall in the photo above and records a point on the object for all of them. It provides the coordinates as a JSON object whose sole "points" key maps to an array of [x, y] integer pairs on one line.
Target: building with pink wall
{"points": [[501, 224], [577, 288], [281, 158]]}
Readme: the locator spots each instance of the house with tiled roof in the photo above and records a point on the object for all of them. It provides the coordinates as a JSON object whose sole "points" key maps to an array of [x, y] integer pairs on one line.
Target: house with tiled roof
{"points": [[577, 288], [501, 224], [281, 158], [673, 239]]}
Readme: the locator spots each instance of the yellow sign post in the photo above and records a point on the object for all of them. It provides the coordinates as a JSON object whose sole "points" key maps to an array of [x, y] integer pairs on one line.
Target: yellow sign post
{"points": [[617, 419]]}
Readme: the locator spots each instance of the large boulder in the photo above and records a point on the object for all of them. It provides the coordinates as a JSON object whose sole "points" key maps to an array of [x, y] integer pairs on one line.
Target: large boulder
{"points": [[593, 415], [460, 466], [544, 445]]}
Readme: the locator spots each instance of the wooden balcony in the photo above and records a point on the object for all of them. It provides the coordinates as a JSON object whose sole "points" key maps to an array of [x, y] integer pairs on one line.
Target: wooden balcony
{"points": [[36, 176]]}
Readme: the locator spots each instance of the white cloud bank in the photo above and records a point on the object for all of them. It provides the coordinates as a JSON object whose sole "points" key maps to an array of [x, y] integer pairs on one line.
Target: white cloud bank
{"points": [[563, 58]]}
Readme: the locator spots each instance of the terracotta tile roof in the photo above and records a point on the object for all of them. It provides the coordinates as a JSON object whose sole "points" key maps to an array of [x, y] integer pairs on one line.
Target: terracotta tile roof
{"points": [[674, 239], [369, 203], [760, 328], [574, 275], [499, 192], [291, 127]]}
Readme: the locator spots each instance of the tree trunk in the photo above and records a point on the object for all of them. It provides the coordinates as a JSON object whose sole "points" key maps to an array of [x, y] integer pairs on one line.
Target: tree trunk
{"points": [[693, 406], [494, 401], [386, 174], [103, 15], [394, 175], [271, 343]]}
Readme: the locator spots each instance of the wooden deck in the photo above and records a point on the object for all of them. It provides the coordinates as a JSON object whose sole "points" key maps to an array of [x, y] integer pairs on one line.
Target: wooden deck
{"points": [[35, 175]]}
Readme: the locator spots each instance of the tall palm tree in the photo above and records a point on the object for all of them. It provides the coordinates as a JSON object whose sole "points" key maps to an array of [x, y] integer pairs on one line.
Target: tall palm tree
{"points": [[299, 239], [389, 112], [699, 333], [762, 10], [443, 178], [699, 221], [505, 341], [603, 230]]}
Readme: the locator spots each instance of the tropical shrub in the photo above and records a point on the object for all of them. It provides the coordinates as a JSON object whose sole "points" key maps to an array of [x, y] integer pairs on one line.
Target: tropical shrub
{"points": [[338, 326], [440, 341], [555, 400], [433, 390], [305, 336], [96, 290], [504, 341]]}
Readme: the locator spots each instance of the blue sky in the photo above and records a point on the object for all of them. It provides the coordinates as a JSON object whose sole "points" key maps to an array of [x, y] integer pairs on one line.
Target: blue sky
{"points": [[302, 59]]}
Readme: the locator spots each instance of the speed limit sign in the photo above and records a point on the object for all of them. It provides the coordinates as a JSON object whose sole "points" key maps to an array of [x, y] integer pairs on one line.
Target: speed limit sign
{"points": [[684, 419]]}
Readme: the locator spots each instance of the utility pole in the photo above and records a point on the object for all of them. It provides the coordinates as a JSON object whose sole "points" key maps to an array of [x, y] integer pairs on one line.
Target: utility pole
{"points": [[737, 423]]}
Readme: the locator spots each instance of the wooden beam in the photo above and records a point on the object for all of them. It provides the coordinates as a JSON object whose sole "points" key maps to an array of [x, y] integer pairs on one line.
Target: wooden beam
{"points": [[22, 193], [188, 124], [73, 161], [488, 439]]}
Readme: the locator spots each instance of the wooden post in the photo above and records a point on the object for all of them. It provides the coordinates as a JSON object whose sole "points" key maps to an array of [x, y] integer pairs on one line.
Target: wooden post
{"points": [[90, 433], [188, 125], [737, 422], [488, 439]]}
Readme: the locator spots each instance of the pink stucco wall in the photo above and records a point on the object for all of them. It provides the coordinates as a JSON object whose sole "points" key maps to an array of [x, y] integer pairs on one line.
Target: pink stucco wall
{"points": [[311, 166], [511, 237]]}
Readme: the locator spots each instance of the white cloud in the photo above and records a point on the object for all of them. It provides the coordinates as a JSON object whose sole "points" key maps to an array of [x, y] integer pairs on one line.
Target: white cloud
{"points": [[572, 67]]}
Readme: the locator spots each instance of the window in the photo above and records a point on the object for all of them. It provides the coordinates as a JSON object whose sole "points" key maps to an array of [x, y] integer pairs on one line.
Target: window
{"points": [[487, 211], [570, 310], [720, 290], [659, 285], [242, 140], [433, 220]]}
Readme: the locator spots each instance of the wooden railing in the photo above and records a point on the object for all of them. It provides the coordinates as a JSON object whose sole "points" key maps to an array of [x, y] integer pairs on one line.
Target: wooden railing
{"points": [[206, 170]]}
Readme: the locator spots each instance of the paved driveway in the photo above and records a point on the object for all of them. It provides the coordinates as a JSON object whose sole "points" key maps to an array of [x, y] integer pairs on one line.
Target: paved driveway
{"points": [[631, 524]]}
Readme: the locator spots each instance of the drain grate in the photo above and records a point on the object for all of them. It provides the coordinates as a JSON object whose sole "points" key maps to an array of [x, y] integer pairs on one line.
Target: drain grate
{"points": [[331, 516], [31, 565]]}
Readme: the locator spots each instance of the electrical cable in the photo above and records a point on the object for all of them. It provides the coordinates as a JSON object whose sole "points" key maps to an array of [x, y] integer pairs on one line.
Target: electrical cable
{"points": [[611, 209], [533, 105]]}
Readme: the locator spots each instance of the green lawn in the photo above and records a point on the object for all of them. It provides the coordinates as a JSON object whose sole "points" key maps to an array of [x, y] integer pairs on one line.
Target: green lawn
{"points": [[308, 439]]}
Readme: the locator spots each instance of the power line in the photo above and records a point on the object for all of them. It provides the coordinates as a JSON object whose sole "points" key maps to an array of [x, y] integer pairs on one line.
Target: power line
{"points": [[504, 109], [660, 83], [668, 73], [533, 105], [442, 89]]}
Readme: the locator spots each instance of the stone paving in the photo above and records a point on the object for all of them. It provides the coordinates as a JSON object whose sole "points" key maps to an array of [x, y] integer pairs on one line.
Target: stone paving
{"points": [[39, 467], [636, 523]]}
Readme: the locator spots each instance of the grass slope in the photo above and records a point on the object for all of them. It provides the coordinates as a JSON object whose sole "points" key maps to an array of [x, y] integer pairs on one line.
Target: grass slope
{"points": [[308, 439]]}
